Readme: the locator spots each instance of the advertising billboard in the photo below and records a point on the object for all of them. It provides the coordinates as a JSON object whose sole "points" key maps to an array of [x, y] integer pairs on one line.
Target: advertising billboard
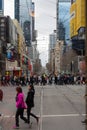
{"points": [[73, 20], [81, 14], [77, 19]]}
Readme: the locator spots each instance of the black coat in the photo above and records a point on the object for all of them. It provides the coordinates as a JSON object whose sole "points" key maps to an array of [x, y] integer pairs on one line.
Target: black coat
{"points": [[30, 98]]}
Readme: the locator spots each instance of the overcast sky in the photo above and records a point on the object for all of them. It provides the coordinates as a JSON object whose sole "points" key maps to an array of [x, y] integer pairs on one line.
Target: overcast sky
{"points": [[45, 16], [9, 7], [45, 24], [45, 12]]}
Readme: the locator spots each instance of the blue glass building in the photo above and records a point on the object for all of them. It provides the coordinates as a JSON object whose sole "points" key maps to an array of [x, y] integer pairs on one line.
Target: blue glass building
{"points": [[63, 18], [26, 19], [1, 7]]}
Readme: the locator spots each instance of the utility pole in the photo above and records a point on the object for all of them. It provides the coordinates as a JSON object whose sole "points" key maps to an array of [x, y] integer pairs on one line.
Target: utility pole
{"points": [[86, 57]]}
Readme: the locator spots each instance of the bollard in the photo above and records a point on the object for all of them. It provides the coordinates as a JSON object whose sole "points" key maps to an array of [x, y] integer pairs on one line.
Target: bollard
{"points": [[1, 95]]}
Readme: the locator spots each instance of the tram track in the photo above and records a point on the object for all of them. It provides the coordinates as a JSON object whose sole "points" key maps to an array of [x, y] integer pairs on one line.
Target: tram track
{"points": [[73, 90], [69, 100], [59, 91]]}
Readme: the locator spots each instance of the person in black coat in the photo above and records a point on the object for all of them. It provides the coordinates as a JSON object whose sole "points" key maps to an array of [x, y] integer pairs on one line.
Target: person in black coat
{"points": [[30, 103]]}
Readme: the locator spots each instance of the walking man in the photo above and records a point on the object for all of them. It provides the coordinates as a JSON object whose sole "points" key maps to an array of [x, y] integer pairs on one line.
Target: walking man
{"points": [[30, 103]]}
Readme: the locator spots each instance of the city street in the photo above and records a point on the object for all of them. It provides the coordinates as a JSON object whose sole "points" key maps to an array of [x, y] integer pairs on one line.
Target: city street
{"points": [[59, 108], [43, 43]]}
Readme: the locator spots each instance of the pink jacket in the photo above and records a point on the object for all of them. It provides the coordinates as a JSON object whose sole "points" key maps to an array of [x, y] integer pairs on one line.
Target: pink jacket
{"points": [[20, 101]]}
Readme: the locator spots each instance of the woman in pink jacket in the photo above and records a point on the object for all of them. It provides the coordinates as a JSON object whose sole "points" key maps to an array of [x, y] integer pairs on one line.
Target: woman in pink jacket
{"points": [[20, 104]]}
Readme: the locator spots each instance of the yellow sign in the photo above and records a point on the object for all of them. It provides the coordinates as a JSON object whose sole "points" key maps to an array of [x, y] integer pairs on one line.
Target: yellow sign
{"points": [[73, 19], [80, 14], [77, 20]]}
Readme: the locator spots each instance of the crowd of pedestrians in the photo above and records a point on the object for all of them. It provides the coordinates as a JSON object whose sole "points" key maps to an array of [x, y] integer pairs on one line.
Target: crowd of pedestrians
{"points": [[43, 79], [63, 79], [28, 102]]}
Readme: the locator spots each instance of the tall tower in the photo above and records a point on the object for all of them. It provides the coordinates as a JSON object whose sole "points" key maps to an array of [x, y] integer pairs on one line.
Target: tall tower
{"points": [[57, 19], [33, 21], [17, 10], [26, 19], [63, 16], [1, 7]]}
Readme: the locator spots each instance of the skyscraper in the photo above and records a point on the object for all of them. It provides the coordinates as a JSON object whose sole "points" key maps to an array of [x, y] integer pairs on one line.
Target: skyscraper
{"points": [[33, 22], [63, 17], [17, 10], [52, 40], [26, 20], [1, 7], [61, 31]]}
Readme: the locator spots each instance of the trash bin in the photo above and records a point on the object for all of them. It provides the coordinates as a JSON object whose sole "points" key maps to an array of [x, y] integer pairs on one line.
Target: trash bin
{"points": [[1, 95]]}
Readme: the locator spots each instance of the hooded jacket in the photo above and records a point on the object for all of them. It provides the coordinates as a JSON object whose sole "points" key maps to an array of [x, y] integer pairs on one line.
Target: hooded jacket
{"points": [[20, 101]]}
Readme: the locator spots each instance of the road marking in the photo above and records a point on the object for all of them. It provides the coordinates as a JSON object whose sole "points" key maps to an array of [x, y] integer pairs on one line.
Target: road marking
{"points": [[41, 109], [65, 115], [47, 116]]}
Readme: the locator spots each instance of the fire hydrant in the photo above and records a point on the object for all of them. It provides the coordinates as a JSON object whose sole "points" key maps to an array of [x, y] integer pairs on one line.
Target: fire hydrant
{"points": [[1, 95]]}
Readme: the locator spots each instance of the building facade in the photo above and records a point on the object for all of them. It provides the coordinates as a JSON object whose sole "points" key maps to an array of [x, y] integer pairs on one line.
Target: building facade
{"points": [[17, 10], [1, 7], [8, 38], [26, 20], [58, 55], [77, 26], [55, 57], [52, 40], [62, 18], [28, 24], [33, 22]]}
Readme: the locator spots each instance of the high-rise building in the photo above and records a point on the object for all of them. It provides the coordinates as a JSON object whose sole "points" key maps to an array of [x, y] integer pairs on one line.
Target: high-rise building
{"points": [[57, 19], [27, 34], [1, 7], [77, 26], [26, 20], [17, 10], [52, 40], [33, 22], [61, 31], [63, 17]]}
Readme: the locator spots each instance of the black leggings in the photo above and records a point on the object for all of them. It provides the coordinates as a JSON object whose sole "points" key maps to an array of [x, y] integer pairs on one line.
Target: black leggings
{"points": [[30, 114], [19, 112]]}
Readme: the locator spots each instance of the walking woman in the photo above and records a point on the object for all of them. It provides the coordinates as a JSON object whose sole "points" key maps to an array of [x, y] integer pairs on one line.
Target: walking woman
{"points": [[30, 103], [20, 104]]}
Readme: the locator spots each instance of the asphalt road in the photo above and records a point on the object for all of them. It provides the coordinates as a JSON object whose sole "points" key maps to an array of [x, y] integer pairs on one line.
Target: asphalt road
{"points": [[59, 108]]}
